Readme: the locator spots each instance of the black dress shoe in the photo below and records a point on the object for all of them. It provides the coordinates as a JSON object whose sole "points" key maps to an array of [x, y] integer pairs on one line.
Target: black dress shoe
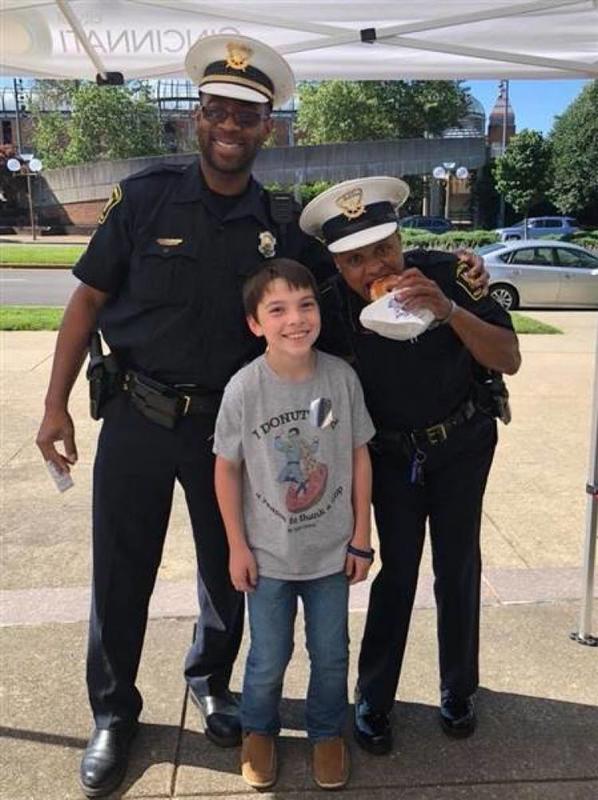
{"points": [[457, 715], [106, 758], [371, 728], [221, 717]]}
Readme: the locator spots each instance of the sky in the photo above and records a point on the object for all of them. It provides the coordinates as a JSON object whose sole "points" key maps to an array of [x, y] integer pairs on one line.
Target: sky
{"points": [[535, 103]]}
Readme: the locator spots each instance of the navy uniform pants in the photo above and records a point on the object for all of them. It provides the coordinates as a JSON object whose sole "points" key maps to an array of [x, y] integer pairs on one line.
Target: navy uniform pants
{"points": [[137, 464], [450, 499]]}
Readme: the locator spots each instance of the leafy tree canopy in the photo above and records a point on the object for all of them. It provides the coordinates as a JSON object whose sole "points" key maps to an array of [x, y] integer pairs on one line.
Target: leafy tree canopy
{"points": [[522, 174], [105, 122], [349, 111], [574, 140]]}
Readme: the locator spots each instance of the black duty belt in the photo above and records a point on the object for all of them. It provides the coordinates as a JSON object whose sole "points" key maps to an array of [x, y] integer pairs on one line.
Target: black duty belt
{"points": [[165, 404], [435, 434]]}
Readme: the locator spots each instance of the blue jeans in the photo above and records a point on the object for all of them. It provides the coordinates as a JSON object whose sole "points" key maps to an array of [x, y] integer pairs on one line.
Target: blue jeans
{"points": [[272, 610]]}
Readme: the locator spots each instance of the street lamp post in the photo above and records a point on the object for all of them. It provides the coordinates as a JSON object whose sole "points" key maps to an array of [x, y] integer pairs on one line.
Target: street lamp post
{"points": [[27, 165], [444, 173]]}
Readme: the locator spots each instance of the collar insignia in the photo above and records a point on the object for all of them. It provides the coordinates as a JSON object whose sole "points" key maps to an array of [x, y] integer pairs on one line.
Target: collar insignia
{"points": [[169, 242], [267, 244], [238, 56], [351, 203]]}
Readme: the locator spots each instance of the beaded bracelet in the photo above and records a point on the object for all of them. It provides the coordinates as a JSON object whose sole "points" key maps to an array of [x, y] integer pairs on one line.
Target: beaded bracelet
{"points": [[355, 551]]}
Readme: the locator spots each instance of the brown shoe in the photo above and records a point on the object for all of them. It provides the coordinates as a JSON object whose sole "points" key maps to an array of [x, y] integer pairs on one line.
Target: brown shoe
{"points": [[331, 763], [258, 760]]}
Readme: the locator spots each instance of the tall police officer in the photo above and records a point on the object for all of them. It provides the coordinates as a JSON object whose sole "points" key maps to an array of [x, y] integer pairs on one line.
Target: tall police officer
{"points": [[162, 278], [433, 447]]}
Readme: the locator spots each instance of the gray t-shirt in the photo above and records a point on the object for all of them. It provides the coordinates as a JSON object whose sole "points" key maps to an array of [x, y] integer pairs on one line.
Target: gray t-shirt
{"points": [[297, 465]]}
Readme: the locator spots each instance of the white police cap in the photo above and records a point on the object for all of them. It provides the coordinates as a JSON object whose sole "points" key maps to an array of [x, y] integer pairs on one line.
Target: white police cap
{"points": [[355, 213], [240, 68]]}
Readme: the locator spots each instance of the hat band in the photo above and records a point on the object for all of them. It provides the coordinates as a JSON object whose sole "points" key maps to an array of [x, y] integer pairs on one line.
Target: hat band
{"points": [[374, 214], [252, 77]]}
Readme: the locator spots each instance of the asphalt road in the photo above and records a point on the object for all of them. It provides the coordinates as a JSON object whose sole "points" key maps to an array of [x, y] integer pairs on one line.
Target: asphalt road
{"points": [[36, 287]]}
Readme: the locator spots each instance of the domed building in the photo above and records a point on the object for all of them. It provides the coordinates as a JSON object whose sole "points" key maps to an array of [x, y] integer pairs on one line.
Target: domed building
{"points": [[471, 125]]}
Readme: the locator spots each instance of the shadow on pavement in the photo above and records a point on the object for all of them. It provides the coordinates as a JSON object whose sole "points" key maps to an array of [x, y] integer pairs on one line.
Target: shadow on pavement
{"points": [[520, 739]]}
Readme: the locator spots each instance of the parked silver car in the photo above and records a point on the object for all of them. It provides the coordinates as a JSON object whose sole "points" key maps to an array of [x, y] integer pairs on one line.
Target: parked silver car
{"points": [[539, 226], [542, 273]]}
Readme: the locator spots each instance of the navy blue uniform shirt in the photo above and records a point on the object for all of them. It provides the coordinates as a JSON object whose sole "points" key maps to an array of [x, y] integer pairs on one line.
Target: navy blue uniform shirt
{"points": [[413, 384], [173, 256]]}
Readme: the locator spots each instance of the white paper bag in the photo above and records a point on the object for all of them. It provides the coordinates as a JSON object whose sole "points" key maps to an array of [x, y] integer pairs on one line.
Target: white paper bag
{"points": [[387, 317]]}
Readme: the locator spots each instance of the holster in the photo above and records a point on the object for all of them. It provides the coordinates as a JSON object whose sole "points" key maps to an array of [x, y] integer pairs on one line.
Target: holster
{"points": [[491, 394], [157, 402], [104, 376]]}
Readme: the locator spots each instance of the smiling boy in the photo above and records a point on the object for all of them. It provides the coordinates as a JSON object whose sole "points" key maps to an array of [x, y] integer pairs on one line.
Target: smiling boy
{"points": [[293, 482]]}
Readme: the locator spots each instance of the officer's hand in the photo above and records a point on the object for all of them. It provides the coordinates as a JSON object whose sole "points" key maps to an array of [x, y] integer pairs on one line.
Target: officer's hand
{"points": [[243, 569], [415, 290], [476, 269], [57, 426]]}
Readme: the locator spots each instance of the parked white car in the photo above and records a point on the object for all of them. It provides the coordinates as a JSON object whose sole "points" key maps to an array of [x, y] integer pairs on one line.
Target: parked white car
{"points": [[541, 273]]}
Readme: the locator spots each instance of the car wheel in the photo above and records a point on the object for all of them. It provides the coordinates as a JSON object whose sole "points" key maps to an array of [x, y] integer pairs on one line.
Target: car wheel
{"points": [[505, 296]]}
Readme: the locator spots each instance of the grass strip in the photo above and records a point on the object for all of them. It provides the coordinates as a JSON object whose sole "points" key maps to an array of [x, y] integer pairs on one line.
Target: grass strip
{"points": [[44, 318], [30, 318], [29, 255], [523, 324]]}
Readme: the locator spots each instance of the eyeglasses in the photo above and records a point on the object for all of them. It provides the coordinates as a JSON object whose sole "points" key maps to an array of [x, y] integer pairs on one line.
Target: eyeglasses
{"points": [[243, 118]]}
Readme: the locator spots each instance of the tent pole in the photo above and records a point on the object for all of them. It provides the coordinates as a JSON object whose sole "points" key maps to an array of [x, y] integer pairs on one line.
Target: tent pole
{"points": [[583, 636], [73, 21]]}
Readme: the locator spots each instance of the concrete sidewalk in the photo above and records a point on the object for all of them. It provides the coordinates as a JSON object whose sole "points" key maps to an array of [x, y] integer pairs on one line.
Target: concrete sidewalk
{"points": [[538, 731]]}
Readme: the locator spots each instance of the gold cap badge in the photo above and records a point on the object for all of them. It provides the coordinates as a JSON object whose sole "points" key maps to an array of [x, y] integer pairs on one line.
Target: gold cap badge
{"points": [[351, 203], [238, 56]]}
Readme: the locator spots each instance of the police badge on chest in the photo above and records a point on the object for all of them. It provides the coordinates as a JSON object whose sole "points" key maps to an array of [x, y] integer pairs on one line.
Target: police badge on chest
{"points": [[267, 244]]}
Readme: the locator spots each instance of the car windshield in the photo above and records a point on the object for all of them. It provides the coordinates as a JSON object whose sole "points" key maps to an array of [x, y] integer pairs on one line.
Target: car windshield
{"points": [[489, 248]]}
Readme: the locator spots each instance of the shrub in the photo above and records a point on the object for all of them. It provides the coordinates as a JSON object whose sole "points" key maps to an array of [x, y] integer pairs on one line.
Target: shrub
{"points": [[452, 240]]}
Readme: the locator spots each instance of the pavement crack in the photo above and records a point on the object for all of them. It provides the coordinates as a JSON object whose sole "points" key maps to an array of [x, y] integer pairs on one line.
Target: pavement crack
{"points": [[509, 541], [43, 361]]}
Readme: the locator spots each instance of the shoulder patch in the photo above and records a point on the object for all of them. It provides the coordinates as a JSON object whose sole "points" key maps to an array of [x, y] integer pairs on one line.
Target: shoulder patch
{"points": [[467, 283], [114, 200]]}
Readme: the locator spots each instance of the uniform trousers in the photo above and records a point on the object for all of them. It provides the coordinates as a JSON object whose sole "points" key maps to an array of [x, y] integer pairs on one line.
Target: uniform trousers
{"points": [[136, 466], [450, 500]]}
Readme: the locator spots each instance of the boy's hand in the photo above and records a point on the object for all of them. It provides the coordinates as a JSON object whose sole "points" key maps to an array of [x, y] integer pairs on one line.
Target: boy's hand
{"points": [[243, 570], [357, 568]]}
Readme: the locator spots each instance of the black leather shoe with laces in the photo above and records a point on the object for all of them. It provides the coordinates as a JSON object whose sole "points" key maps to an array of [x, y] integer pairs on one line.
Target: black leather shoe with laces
{"points": [[221, 717], [106, 758], [371, 728], [457, 715]]}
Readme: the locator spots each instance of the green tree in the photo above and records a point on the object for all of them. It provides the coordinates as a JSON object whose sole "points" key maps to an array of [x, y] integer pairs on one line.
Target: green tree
{"points": [[105, 122], [574, 140], [51, 138], [350, 111], [522, 174]]}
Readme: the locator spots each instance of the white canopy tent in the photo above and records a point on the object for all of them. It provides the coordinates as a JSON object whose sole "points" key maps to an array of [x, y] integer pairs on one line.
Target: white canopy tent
{"points": [[322, 39]]}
